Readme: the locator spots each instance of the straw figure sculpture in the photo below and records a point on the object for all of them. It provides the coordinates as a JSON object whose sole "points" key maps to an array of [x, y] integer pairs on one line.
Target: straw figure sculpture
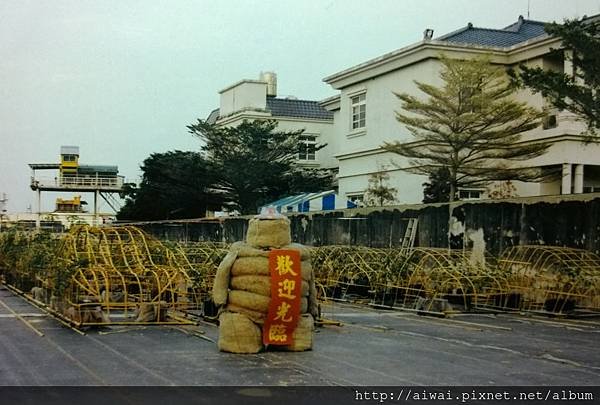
{"points": [[244, 288]]}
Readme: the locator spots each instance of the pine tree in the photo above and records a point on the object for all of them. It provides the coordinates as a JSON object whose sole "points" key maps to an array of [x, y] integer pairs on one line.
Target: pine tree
{"points": [[254, 163], [437, 189], [379, 193], [470, 125]]}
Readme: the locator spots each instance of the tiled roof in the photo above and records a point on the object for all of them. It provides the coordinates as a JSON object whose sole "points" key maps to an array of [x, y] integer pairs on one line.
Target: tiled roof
{"points": [[213, 116], [521, 31], [287, 107]]}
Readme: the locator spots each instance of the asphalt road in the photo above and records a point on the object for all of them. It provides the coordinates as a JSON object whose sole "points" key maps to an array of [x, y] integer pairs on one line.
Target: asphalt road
{"points": [[370, 348]]}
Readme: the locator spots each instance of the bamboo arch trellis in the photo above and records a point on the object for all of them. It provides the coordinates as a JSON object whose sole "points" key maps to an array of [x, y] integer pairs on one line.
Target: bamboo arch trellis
{"points": [[347, 271], [202, 259], [419, 279], [119, 271], [442, 280], [553, 279]]}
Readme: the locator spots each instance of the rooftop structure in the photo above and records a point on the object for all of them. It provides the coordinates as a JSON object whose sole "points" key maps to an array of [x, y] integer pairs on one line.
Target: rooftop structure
{"points": [[288, 107], [73, 205], [71, 176], [258, 100], [521, 31]]}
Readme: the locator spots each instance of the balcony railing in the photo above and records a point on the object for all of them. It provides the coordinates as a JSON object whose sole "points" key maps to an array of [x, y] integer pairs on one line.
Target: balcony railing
{"points": [[78, 182]]}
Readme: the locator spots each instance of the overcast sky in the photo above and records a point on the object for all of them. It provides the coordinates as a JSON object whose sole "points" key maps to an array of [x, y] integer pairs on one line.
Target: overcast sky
{"points": [[122, 79]]}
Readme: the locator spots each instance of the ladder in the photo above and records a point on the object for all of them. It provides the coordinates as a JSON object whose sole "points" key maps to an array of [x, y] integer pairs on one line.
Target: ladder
{"points": [[408, 241]]}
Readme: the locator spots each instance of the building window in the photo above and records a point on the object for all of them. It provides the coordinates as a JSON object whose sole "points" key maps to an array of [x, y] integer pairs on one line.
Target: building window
{"points": [[469, 194], [359, 110], [307, 148], [549, 121], [356, 200]]}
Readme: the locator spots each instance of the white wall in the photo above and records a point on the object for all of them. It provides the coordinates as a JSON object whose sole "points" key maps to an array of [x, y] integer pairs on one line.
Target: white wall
{"points": [[381, 126], [381, 123], [247, 94], [354, 173], [321, 130], [240, 101], [359, 151]]}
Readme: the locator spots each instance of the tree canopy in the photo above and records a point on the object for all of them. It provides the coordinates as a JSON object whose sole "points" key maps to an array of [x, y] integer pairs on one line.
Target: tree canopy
{"points": [[577, 91], [379, 192], [240, 168], [174, 185], [437, 188], [470, 125], [254, 164]]}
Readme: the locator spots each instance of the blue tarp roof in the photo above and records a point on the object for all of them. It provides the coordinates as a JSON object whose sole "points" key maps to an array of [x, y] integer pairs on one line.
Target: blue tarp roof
{"points": [[327, 200], [297, 199]]}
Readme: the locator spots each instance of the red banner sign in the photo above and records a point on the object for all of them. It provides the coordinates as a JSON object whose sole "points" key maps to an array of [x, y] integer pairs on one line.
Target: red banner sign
{"points": [[286, 288]]}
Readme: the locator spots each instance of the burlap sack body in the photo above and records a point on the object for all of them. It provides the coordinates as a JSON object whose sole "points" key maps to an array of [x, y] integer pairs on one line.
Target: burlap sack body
{"points": [[243, 282], [221, 282], [257, 302], [238, 334], [303, 335], [259, 266], [256, 317], [245, 250], [250, 282], [260, 285]]}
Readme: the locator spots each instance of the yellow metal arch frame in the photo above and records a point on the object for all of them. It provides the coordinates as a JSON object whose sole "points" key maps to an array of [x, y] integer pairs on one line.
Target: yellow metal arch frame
{"points": [[552, 278], [409, 279], [118, 270]]}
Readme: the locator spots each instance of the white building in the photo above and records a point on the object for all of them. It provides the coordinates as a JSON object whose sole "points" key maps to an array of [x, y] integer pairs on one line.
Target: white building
{"points": [[364, 110], [257, 99]]}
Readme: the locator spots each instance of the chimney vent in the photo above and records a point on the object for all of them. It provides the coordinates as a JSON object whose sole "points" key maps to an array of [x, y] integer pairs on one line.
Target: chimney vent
{"points": [[271, 79]]}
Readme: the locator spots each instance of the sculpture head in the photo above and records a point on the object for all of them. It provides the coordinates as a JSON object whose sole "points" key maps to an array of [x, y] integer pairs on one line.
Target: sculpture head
{"points": [[269, 229]]}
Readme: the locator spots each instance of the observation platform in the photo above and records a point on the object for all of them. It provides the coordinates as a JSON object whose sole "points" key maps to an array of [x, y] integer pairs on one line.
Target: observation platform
{"points": [[88, 179], [78, 183], [71, 176]]}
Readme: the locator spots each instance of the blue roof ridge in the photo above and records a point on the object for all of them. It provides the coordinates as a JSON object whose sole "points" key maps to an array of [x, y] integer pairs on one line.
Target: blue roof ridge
{"points": [[294, 99], [451, 34], [502, 30], [521, 31], [520, 23], [472, 27], [506, 30]]}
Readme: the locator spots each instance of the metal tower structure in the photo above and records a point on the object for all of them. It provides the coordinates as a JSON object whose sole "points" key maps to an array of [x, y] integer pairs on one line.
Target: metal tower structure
{"points": [[70, 176]]}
